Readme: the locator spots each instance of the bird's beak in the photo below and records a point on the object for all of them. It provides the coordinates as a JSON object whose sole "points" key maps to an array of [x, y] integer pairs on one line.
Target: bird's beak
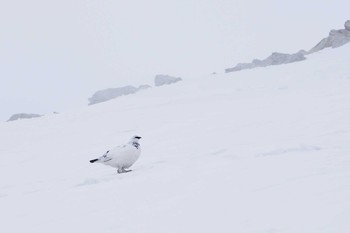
{"points": [[138, 137]]}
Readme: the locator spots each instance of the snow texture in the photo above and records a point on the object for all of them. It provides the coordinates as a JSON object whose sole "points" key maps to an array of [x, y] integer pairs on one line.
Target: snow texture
{"points": [[161, 80], [111, 93], [19, 116]]}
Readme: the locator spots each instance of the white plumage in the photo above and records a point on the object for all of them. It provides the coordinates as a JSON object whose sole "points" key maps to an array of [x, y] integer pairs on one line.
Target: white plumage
{"points": [[122, 157]]}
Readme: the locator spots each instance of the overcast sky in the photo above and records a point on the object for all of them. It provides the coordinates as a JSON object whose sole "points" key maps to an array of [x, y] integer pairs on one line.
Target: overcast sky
{"points": [[56, 54]]}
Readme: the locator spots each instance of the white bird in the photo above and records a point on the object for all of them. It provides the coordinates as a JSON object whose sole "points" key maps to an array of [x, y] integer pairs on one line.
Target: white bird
{"points": [[122, 157]]}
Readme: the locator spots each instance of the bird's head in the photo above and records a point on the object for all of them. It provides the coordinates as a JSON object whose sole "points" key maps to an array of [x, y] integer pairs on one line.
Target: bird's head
{"points": [[135, 138]]}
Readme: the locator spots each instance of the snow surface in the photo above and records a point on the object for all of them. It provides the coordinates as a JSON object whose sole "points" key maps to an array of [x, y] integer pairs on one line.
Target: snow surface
{"points": [[259, 151]]}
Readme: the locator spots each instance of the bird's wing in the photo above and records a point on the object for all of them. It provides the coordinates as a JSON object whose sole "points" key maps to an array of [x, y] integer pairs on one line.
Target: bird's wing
{"points": [[105, 158]]}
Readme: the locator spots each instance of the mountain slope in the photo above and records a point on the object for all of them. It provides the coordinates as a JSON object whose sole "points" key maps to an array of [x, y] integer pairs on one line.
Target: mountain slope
{"points": [[263, 150]]}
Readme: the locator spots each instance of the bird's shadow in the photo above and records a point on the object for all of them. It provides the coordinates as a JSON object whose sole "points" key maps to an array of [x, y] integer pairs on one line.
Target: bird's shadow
{"points": [[96, 181]]}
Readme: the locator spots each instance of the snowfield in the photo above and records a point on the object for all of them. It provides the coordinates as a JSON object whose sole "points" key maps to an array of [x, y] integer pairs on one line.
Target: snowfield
{"points": [[257, 151]]}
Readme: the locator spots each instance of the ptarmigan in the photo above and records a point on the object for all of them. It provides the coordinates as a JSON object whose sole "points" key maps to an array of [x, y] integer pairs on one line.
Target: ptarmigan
{"points": [[122, 157]]}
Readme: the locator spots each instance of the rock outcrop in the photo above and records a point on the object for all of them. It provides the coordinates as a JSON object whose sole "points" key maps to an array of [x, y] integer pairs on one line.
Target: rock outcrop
{"points": [[161, 80], [111, 93], [19, 116], [273, 59], [335, 39], [347, 25]]}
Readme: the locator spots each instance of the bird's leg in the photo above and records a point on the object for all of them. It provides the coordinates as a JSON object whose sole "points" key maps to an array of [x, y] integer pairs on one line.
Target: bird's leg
{"points": [[122, 170]]}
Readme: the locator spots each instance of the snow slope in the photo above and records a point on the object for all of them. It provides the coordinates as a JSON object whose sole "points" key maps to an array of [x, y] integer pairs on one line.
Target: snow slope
{"points": [[258, 151]]}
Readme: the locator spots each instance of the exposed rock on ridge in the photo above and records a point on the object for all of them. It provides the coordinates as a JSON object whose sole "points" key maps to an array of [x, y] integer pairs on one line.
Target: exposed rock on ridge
{"points": [[19, 116], [335, 39], [161, 80], [273, 59], [111, 93]]}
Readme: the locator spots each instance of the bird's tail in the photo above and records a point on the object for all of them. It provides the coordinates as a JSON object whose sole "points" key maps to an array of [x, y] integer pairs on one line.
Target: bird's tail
{"points": [[93, 160]]}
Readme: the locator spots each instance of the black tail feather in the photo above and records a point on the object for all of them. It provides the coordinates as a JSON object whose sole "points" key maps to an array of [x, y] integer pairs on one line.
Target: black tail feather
{"points": [[93, 160]]}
